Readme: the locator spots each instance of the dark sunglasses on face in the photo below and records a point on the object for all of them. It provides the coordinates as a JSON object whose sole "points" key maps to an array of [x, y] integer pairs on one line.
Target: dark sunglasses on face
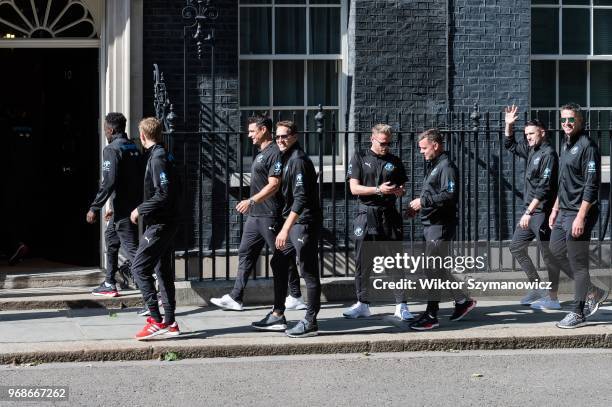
{"points": [[568, 119], [283, 136], [383, 144]]}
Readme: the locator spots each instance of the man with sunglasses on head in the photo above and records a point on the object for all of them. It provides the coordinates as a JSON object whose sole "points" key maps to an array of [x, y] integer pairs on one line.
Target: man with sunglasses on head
{"points": [[541, 174], [299, 235], [377, 178], [575, 213], [264, 220]]}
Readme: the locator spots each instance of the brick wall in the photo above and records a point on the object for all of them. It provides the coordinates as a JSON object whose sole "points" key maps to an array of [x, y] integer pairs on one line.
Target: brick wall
{"points": [[489, 53]]}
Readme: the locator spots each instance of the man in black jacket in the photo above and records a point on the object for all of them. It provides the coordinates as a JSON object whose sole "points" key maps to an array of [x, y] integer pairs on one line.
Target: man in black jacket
{"points": [[263, 208], [377, 178], [575, 213], [299, 234], [541, 175], [159, 211], [437, 206], [122, 172]]}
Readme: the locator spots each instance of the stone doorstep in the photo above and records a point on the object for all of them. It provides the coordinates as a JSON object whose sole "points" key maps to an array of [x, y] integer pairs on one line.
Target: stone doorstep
{"points": [[258, 292]]}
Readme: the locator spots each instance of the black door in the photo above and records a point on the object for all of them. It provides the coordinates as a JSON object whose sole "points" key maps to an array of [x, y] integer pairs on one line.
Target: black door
{"points": [[49, 116]]}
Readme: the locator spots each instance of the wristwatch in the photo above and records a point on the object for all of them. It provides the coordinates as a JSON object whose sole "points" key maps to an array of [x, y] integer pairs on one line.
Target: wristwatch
{"points": [[251, 202], [378, 191], [527, 212]]}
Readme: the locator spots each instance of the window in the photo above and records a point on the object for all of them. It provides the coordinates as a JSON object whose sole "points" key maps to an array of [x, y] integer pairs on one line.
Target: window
{"points": [[571, 59], [290, 55], [46, 19]]}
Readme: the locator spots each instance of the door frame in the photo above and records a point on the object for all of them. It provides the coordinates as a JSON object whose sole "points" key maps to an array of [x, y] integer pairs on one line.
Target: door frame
{"points": [[119, 64]]}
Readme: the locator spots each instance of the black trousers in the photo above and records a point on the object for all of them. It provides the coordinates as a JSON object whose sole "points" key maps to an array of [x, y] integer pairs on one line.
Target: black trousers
{"points": [[573, 253], [538, 229], [257, 232], [120, 234], [154, 255], [303, 244], [374, 224], [362, 274], [437, 243]]}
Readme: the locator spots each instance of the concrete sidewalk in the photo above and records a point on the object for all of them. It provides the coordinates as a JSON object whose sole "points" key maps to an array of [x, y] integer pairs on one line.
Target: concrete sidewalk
{"points": [[99, 334]]}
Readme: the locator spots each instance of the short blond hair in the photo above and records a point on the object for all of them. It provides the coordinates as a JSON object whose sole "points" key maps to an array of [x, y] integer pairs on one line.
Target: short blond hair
{"points": [[151, 128], [382, 128]]}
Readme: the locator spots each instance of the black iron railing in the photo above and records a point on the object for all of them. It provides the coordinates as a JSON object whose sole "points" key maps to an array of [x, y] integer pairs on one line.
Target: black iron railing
{"points": [[215, 166]]}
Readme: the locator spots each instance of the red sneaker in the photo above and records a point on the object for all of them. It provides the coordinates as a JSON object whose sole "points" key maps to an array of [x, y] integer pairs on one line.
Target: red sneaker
{"points": [[173, 329], [152, 329]]}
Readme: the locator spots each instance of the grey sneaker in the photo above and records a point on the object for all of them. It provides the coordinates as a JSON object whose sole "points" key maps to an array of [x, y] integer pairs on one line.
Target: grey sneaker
{"points": [[271, 323], [571, 321], [595, 297], [303, 329]]}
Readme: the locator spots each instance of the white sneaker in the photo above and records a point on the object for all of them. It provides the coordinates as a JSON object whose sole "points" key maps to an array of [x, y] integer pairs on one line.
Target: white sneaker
{"points": [[402, 313], [294, 303], [533, 296], [227, 302], [546, 303], [357, 310]]}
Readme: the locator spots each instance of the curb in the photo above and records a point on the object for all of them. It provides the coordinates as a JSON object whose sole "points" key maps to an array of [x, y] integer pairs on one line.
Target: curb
{"points": [[90, 352]]}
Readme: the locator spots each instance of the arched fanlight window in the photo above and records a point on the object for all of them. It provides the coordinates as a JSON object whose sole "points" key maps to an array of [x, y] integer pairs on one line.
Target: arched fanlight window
{"points": [[46, 19]]}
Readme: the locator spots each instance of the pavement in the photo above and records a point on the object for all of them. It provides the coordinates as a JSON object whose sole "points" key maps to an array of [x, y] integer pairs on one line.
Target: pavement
{"points": [[98, 334]]}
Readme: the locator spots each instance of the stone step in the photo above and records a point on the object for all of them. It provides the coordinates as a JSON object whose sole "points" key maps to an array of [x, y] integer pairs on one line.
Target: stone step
{"points": [[64, 298], [46, 279]]}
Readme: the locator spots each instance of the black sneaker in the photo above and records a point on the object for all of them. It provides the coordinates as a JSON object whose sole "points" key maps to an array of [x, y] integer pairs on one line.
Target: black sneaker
{"points": [[571, 321], [462, 310], [425, 323], [19, 254], [594, 299], [303, 329], [271, 323], [106, 290]]}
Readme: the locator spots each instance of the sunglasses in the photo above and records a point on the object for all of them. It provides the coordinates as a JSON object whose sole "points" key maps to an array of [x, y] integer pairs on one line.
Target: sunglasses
{"points": [[382, 144], [568, 119], [283, 136]]}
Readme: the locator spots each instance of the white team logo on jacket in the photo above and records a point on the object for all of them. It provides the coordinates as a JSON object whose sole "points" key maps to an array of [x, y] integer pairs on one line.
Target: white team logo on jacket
{"points": [[106, 165], [358, 232], [298, 180], [591, 167], [389, 167], [163, 178], [278, 167]]}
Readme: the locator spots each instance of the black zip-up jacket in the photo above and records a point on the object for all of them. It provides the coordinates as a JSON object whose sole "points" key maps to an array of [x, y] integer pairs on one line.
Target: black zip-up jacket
{"points": [[579, 172], [440, 192], [161, 188], [541, 173], [122, 173], [299, 185]]}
